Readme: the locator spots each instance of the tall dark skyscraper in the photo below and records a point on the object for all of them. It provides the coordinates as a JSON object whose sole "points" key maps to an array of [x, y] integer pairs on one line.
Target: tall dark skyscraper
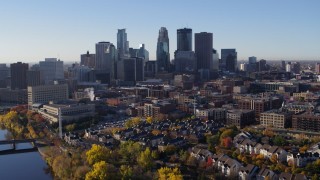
{"points": [[19, 75], [88, 60], [184, 39], [33, 78], [229, 59], [130, 69], [106, 58], [122, 43], [163, 55], [203, 50]]}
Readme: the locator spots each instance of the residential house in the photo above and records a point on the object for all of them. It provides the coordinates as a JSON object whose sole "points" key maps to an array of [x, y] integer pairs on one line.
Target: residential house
{"points": [[228, 166], [266, 173], [302, 159], [289, 176], [248, 173]]}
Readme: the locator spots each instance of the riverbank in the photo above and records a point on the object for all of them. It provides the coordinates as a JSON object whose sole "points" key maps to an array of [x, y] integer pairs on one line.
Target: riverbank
{"points": [[29, 165]]}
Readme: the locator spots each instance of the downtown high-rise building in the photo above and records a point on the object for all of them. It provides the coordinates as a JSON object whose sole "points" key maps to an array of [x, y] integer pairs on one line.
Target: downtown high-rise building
{"points": [[34, 78], [122, 43], [184, 39], [252, 60], [317, 68], [141, 52], [88, 60], [185, 60], [4, 75], [215, 60], [203, 49], [19, 75], [130, 70], [252, 65], [51, 70], [163, 54], [229, 59], [106, 55]]}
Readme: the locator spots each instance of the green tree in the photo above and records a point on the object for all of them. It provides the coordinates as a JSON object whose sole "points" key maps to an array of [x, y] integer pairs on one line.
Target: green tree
{"points": [[183, 155], [279, 141], [315, 177], [129, 151], [126, 172], [169, 174], [98, 172], [145, 159], [70, 127], [98, 153]]}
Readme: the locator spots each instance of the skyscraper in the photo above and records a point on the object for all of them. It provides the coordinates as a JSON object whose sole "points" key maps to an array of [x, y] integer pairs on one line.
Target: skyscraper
{"points": [[33, 78], [105, 58], [203, 50], [317, 68], [88, 60], [163, 55], [51, 69], [185, 62], [184, 39], [283, 65], [229, 59], [130, 70], [122, 43], [19, 75], [141, 53], [4, 74], [215, 60], [252, 60]]}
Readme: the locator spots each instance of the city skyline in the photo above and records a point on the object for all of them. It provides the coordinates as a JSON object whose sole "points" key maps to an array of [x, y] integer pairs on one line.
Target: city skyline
{"points": [[269, 30]]}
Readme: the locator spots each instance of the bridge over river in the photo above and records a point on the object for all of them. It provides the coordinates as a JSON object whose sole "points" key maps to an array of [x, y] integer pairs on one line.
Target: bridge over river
{"points": [[15, 150]]}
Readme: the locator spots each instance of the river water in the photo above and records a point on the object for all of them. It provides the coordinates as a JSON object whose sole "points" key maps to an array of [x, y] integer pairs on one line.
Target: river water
{"points": [[22, 166]]}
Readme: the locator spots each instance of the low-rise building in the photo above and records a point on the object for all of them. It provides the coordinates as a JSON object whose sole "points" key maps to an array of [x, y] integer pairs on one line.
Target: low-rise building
{"points": [[70, 112], [306, 121], [276, 118], [216, 114], [47, 93], [16, 96], [240, 117]]}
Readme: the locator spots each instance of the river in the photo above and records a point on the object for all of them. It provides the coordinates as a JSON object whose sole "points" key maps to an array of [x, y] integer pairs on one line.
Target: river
{"points": [[22, 166]]}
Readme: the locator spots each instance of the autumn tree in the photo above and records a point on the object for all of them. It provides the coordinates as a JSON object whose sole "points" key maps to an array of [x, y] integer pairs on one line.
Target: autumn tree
{"points": [[98, 153], [169, 174], [274, 159], [303, 149], [268, 132], [98, 172], [145, 159], [226, 142], [132, 122], [149, 120], [61, 166], [80, 172]]}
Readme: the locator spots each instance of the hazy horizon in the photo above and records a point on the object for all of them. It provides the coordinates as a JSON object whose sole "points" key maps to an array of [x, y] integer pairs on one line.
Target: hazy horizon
{"points": [[272, 30]]}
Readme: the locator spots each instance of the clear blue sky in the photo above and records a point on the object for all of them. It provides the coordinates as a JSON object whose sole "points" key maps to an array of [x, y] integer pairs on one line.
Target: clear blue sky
{"points": [[34, 29]]}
